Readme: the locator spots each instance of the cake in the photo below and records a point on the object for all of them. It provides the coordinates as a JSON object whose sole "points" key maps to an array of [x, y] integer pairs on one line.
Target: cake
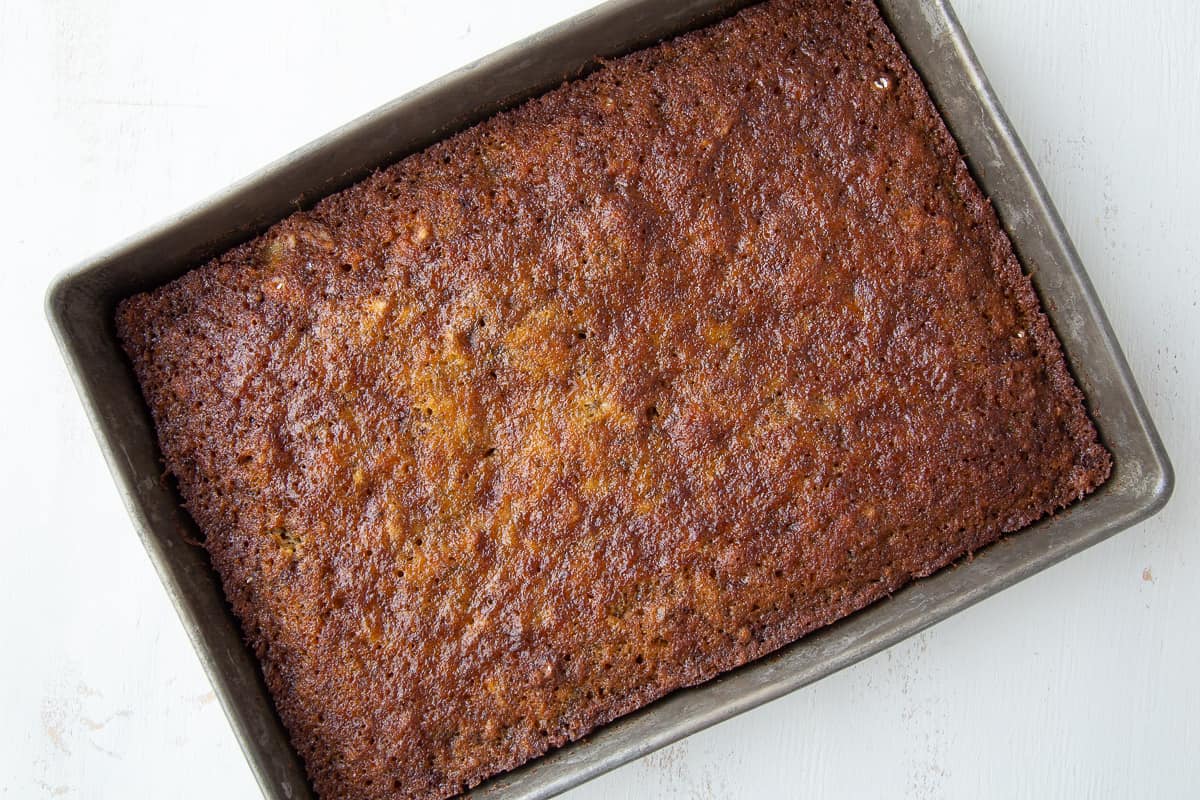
{"points": [[617, 390]]}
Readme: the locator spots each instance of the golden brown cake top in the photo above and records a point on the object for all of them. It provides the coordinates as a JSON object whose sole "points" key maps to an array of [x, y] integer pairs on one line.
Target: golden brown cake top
{"points": [[612, 392]]}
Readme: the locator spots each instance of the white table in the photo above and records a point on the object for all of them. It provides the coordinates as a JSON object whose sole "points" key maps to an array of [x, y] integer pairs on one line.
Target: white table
{"points": [[1078, 682]]}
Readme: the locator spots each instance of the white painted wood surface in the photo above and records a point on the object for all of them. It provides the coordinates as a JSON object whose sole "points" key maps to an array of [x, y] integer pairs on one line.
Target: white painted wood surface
{"points": [[1079, 682]]}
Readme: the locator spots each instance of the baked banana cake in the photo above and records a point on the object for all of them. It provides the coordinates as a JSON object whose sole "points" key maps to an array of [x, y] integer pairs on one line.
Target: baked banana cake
{"points": [[608, 394]]}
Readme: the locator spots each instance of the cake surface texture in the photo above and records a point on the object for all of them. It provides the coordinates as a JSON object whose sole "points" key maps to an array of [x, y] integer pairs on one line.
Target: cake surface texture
{"points": [[612, 392]]}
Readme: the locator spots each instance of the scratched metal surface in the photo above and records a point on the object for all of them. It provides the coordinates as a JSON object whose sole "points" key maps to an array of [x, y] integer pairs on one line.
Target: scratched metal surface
{"points": [[101, 692]]}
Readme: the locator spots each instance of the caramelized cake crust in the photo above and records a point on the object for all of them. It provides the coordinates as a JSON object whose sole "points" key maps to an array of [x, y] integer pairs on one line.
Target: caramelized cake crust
{"points": [[610, 393]]}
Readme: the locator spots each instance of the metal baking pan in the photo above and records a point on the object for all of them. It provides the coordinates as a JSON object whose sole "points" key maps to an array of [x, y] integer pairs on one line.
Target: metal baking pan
{"points": [[81, 302]]}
